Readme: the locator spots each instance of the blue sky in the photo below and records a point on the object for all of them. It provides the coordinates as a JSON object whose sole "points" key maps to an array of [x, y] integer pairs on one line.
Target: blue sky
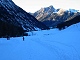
{"points": [[34, 5]]}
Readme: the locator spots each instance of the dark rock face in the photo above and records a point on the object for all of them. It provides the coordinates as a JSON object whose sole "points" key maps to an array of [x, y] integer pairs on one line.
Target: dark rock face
{"points": [[68, 23], [51, 16], [14, 19]]}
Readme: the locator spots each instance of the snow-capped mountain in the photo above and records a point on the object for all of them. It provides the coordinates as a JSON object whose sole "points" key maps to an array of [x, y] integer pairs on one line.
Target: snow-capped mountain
{"points": [[44, 11], [51, 16], [11, 14]]}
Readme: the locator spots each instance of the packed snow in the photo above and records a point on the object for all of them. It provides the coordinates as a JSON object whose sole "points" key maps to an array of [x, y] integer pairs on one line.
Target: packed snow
{"points": [[43, 45]]}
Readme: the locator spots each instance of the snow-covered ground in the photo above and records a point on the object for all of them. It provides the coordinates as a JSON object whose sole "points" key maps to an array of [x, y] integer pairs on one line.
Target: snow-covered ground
{"points": [[43, 45]]}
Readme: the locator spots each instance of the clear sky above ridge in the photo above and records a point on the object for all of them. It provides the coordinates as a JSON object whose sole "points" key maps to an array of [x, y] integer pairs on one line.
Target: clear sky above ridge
{"points": [[34, 5]]}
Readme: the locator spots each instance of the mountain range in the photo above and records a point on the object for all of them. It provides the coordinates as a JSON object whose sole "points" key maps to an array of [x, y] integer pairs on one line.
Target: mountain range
{"points": [[14, 21], [52, 17]]}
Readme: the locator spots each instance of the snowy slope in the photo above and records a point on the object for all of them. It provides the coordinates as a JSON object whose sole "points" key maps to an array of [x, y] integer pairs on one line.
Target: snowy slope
{"points": [[43, 45]]}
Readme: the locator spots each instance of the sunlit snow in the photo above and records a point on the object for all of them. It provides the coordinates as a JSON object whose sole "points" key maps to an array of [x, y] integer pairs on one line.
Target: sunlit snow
{"points": [[43, 45]]}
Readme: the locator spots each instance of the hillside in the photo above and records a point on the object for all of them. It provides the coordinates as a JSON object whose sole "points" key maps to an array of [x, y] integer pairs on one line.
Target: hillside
{"points": [[68, 23], [15, 18]]}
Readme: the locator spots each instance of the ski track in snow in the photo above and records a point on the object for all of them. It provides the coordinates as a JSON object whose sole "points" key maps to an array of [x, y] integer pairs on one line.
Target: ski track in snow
{"points": [[60, 53]]}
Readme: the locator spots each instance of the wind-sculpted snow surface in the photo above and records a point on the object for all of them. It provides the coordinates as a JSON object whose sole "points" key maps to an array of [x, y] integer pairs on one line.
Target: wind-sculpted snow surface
{"points": [[43, 45]]}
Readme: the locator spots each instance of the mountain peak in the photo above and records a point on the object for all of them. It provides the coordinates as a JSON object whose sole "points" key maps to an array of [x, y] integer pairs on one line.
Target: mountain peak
{"points": [[51, 6], [61, 11], [50, 9], [73, 10]]}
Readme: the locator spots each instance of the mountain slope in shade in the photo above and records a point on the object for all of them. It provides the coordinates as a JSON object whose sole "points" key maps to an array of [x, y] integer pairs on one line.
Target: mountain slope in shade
{"points": [[53, 16], [68, 23], [11, 13]]}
